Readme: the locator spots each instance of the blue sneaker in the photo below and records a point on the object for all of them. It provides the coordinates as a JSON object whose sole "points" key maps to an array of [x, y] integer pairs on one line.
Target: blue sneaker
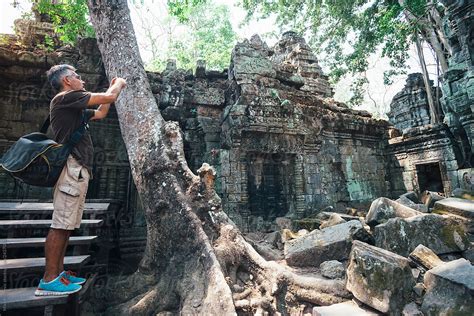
{"points": [[71, 276], [59, 286]]}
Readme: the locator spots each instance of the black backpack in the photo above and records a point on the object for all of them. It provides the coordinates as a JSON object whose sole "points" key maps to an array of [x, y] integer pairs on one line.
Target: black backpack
{"points": [[37, 160]]}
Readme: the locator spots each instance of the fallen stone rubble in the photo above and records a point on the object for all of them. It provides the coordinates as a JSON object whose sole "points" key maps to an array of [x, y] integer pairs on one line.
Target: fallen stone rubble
{"points": [[331, 243], [405, 257]]}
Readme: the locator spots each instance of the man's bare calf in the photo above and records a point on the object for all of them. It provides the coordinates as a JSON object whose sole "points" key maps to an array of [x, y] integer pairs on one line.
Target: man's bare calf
{"points": [[55, 249]]}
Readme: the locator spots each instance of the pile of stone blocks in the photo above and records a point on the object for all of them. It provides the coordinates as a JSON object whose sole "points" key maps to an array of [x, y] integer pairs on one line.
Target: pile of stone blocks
{"points": [[396, 260]]}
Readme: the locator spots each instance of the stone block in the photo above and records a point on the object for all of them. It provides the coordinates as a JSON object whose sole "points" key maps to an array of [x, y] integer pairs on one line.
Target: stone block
{"points": [[442, 234], [346, 308], [430, 198], [425, 257], [379, 278], [382, 209], [331, 243], [210, 96], [457, 206], [246, 66], [334, 219], [469, 254], [463, 194], [449, 289], [412, 310], [332, 269]]}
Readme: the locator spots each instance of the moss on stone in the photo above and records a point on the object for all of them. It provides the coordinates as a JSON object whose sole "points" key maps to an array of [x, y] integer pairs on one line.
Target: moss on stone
{"points": [[441, 212], [447, 233], [468, 196], [307, 223]]}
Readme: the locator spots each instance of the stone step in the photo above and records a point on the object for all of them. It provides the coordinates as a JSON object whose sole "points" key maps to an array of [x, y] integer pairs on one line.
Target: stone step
{"points": [[133, 239], [32, 210], [345, 308], [37, 264], [42, 223], [25, 298], [132, 242], [41, 207], [12, 243]]}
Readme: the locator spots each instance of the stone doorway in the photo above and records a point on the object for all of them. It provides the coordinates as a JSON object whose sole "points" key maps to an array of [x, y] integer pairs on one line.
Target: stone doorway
{"points": [[429, 177], [271, 184]]}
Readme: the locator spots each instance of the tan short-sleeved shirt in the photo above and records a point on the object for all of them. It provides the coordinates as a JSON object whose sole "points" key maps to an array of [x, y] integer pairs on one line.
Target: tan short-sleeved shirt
{"points": [[66, 110]]}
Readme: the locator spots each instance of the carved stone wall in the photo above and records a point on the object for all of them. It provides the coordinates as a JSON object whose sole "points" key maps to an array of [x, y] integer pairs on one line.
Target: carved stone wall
{"points": [[286, 147], [281, 146], [420, 148]]}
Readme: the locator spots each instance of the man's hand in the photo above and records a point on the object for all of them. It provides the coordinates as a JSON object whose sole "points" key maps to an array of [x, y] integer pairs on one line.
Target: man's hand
{"points": [[116, 85], [117, 80]]}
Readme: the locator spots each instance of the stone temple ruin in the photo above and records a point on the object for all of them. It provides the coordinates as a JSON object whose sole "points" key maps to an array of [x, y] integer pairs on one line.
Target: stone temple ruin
{"points": [[290, 157]]}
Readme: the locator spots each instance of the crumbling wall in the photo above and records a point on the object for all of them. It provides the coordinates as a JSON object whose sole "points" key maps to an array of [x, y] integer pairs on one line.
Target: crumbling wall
{"points": [[281, 145], [409, 107], [458, 81], [280, 126]]}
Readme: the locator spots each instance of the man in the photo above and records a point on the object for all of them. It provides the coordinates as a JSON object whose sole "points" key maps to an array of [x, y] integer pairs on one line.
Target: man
{"points": [[67, 109]]}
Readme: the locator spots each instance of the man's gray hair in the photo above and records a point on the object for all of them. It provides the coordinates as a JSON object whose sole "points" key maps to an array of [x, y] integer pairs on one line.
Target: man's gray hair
{"points": [[57, 73]]}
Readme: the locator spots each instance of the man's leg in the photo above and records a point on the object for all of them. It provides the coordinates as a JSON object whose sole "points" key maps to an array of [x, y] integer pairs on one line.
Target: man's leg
{"points": [[54, 248], [63, 254]]}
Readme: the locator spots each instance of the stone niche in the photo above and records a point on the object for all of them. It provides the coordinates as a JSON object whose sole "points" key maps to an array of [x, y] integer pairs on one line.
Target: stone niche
{"points": [[271, 186]]}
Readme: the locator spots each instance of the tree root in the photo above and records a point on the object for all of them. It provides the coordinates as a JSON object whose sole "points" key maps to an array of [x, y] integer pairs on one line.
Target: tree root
{"points": [[269, 282]]}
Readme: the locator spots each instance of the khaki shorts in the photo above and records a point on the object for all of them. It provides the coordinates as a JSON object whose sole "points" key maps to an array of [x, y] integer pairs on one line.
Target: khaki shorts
{"points": [[69, 195]]}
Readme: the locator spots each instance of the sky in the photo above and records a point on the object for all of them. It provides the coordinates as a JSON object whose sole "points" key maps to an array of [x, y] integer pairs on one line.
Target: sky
{"points": [[377, 97]]}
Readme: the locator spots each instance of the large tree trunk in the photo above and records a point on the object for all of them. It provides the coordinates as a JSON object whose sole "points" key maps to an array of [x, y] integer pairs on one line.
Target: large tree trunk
{"points": [[434, 117], [194, 252]]}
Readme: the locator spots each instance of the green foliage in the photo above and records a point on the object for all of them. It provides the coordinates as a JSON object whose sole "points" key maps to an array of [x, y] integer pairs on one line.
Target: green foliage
{"points": [[358, 87], [209, 36], [347, 32], [209, 32], [70, 18], [183, 9]]}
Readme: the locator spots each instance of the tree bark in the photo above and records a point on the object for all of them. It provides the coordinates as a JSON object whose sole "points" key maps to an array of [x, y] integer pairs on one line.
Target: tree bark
{"points": [[434, 118], [194, 253]]}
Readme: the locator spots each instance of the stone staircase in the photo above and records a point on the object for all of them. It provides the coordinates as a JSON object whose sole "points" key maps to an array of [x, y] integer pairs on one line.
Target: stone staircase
{"points": [[23, 228]]}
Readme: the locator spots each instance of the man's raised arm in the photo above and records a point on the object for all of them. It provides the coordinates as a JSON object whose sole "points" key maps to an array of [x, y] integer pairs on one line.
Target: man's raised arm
{"points": [[111, 95], [116, 85]]}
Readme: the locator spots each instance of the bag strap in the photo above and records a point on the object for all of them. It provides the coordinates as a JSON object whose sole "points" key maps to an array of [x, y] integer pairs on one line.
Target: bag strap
{"points": [[80, 131], [44, 127], [76, 135]]}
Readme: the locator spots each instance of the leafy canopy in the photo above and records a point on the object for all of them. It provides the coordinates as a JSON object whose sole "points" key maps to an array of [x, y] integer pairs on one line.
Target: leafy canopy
{"points": [[347, 32], [207, 35], [70, 18]]}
